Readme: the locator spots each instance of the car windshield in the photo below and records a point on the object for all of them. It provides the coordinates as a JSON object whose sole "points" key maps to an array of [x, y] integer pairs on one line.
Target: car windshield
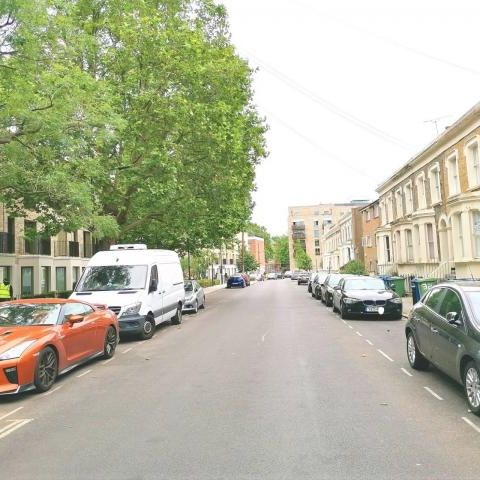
{"points": [[29, 314], [115, 277], [364, 284], [334, 279], [188, 286]]}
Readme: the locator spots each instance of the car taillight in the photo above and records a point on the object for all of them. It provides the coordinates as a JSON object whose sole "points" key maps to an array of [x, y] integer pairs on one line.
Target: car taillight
{"points": [[11, 374]]}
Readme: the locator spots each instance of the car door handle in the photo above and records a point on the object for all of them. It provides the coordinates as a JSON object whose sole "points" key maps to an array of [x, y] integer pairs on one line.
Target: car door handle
{"points": [[433, 330]]}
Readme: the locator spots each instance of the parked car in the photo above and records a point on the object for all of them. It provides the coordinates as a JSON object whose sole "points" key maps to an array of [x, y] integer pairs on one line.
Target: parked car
{"points": [[143, 287], [295, 274], [327, 288], [43, 338], [362, 295], [303, 278], [271, 276], [236, 280], [194, 296], [310, 281], [280, 276], [317, 284], [287, 274], [443, 328], [246, 277]]}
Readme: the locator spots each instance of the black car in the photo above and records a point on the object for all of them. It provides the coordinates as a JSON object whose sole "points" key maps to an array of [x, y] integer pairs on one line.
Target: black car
{"points": [[328, 285], [317, 283], [362, 295], [443, 328], [303, 278]]}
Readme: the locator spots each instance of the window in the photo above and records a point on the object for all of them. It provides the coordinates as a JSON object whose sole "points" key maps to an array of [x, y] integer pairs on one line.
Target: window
{"points": [[387, 249], [317, 251], [451, 303], [476, 233], [473, 164], [434, 298], [368, 215], [315, 223], [399, 203], [453, 180], [458, 233], [435, 184], [421, 192], [408, 198], [376, 210], [430, 241], [317, 243], [60, 279], [316, 233], [409, 243], [26, 281], [45, 280]]}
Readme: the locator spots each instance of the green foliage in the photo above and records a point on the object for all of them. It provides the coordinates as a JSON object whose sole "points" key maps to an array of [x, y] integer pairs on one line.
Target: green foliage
{"points": [[248, 261], [303, 261], [132, 117], [354, 267], [281, 252], [207, 282]]}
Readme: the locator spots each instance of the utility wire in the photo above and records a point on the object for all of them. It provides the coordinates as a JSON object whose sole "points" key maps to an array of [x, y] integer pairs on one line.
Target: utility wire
{"points": [[328, 105], [388, 40]]}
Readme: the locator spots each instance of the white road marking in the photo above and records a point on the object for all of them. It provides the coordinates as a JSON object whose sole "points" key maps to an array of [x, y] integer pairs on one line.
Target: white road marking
{"points": [[385, 355], [15, 425], [52, 391], [406, 372], [465, 419], [350, 327], [344, 322], [359, 334], [429, 390], [265, 334], [127, 350], [108, 361], [10, 413], [369, 342], [84, 373]]}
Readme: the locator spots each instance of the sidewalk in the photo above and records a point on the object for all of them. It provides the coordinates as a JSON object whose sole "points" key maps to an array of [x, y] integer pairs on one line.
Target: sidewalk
{"points": [[407, 305]]}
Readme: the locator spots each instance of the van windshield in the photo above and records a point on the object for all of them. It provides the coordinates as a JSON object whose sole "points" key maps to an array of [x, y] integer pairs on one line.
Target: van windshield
{"points": [[115, 277]]}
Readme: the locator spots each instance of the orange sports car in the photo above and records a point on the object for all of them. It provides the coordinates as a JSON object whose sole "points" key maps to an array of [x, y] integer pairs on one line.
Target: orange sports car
{"points": [[43, 338]]}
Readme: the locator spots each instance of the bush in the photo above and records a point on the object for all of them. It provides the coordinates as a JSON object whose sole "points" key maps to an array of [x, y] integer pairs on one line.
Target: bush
{"points": [[207, 282], [354, 267]]}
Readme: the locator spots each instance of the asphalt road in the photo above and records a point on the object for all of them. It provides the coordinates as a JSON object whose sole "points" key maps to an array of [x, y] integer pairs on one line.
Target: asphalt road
{"points": [[266, 383]]}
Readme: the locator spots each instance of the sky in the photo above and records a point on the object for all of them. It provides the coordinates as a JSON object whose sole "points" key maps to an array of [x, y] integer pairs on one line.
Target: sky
{"points": [[349, 90]]}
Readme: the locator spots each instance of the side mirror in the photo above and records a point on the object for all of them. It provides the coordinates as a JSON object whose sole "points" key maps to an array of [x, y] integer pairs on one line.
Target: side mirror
{"points": [[393, 287], [153, 286], [336, 287], [72, 319], [453, 318]]}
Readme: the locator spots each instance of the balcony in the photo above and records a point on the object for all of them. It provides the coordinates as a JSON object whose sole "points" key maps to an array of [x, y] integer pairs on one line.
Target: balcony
{"points": [[37, 246], [67, 249], [7, 243]]}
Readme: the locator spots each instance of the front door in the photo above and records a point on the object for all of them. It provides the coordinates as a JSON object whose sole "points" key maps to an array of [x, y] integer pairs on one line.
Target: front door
{"points": [[155, 292]]}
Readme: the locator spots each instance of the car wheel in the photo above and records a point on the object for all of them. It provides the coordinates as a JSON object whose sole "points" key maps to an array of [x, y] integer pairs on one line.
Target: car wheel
{"points": [[47, 370], [243, 285], [195, 308], [110, 342], [328, 301], [415, 358], [471, 381], [177, 319], [343, 311], [204, 304], [148, 328], [334, 308], [309, 289]]}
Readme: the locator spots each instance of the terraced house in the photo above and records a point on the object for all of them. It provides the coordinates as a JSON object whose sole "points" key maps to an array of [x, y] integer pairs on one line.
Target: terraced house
{"points": [[430, 208]]}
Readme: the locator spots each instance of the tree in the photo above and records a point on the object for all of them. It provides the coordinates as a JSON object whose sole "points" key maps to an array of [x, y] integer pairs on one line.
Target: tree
{"points": [[248, 260], [303, 261], [355, 267], [281, 253]]}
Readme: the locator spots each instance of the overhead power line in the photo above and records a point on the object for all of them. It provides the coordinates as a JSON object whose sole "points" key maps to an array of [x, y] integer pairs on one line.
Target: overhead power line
{"points": [[328, 105]]}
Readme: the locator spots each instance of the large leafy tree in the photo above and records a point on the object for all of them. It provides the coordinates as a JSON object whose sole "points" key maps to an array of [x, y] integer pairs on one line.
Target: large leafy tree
{"points": [[302, 259], [281, 252], [262, 232], [136, 111]]}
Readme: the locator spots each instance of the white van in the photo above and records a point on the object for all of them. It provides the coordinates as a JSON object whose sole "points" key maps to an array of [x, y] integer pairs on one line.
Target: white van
{"points": [[143, 287]]}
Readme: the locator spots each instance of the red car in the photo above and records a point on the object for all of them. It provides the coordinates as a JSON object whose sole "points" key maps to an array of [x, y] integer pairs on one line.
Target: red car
{"points": [[43, 338]]}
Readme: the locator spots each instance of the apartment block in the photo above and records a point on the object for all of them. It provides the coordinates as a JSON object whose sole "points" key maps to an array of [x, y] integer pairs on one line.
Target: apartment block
{"points": [[430, 208], [256, 246], [369, 223]]}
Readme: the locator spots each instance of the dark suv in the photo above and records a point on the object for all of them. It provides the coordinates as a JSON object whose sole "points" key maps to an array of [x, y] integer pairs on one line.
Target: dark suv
{"points": [[443, 328]]}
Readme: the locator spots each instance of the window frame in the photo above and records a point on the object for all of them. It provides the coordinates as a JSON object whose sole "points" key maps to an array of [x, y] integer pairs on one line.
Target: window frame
{"points": [[470, 163], [453, 174], [434, 174]]}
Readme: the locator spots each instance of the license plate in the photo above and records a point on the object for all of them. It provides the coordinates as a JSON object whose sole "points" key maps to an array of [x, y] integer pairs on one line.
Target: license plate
{"points": [[371, 308]]}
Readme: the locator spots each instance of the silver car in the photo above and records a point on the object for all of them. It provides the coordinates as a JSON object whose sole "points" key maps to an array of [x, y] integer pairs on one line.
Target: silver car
{"points": [[194, 296]]}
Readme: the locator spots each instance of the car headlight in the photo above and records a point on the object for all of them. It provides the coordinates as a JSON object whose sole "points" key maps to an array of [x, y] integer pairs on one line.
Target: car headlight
{"points": [[16, 351], [396, 300], [131, 309], [350, 300]]}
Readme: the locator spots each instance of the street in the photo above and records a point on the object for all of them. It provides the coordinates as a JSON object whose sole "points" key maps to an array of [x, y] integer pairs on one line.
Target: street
{"points": [[266, 383]]}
